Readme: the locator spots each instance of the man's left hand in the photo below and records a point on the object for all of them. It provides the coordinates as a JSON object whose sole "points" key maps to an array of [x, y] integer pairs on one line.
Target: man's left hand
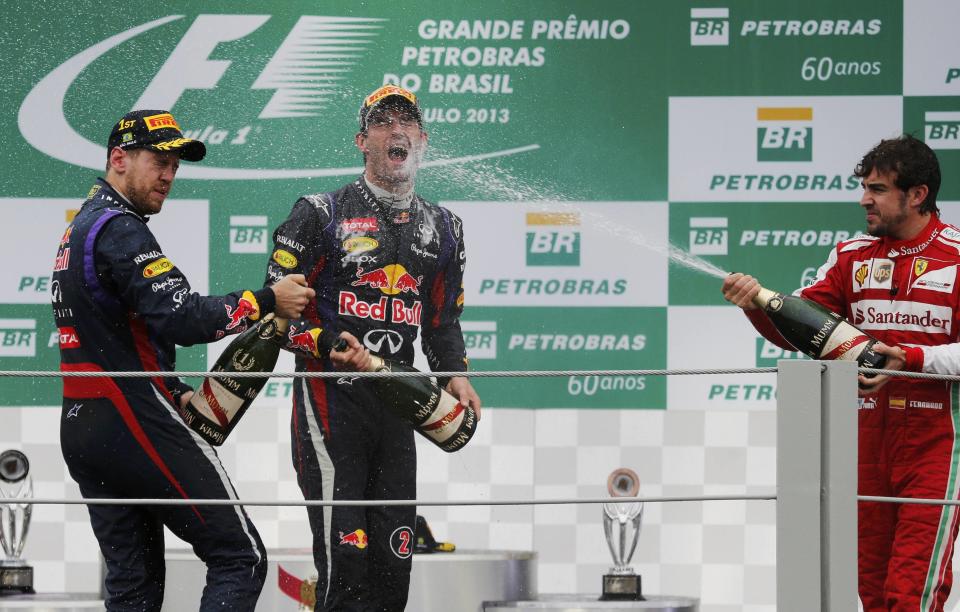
{"points": [[896, 358], [460, 388]]}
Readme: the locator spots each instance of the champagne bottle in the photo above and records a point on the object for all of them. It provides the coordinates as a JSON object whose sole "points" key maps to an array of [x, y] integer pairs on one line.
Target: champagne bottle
{"points": [[817, 331], [216, 407], [433, 412]]}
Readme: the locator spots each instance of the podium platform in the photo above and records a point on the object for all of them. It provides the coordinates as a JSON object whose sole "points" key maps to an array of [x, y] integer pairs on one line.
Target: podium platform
{"points": [[439, 582], [591, 603]]}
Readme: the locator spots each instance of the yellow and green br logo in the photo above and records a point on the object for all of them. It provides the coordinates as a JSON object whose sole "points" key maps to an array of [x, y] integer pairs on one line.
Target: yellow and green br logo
{"points": [[784, 134], [553, 239]]}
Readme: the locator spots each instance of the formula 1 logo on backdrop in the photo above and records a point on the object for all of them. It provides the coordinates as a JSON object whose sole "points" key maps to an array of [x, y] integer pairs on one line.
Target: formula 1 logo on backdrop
{"points": [[302, 72]]}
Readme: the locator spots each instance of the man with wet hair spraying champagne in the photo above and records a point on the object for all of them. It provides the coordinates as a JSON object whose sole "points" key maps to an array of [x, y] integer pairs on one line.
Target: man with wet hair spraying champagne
{"points": [[385, 264], [898, 284]]}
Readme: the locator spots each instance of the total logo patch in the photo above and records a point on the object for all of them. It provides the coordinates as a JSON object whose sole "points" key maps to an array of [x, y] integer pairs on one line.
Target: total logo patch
{"points": [[933, 275], [401, 542], [360, 225], [69, 338]]}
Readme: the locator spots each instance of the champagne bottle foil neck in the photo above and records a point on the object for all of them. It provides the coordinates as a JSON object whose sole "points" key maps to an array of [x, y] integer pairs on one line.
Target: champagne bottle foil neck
{"points": [[763, 298], [377, 364], [282, 324]]}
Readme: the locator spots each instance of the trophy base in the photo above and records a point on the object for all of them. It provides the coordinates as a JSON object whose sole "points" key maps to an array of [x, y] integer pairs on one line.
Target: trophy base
{"points": [[16, 579], [621, 587]]}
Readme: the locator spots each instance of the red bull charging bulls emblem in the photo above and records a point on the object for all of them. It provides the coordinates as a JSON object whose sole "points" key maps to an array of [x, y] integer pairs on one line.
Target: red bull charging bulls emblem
{"points": [[390, 279], [246, 308], [305, 341], [357, 538]]}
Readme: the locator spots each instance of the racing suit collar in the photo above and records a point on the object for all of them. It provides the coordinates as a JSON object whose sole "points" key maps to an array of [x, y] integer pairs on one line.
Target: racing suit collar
{"points": [[916, 244], [122, 200], [387, 198]]}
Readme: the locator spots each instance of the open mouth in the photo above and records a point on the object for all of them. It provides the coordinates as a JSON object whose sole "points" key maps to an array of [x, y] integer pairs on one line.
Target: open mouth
{"points": [[397, 153]]}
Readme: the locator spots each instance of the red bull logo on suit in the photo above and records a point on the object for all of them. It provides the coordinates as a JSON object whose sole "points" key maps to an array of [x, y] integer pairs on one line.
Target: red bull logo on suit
{"points": [[356, 538], [391, 279]]}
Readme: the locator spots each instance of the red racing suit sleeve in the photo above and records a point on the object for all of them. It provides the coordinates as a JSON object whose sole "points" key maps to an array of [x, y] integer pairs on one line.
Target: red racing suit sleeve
{"points": [[151, 286], [827, 290]]}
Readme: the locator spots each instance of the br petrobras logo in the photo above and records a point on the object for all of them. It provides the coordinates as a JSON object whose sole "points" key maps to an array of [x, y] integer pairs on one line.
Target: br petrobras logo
{"points": [[768, 353], [553, 239], [18, 338], [784, 134], [480, 338], [312, 63], [800, 149], [708, 236], [941, 129], [248, 233], [709, 27]]}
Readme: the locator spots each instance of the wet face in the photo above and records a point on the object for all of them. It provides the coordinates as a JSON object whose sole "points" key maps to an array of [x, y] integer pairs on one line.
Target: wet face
{"points": [[885, 205], [146, 178], [394, 145]]}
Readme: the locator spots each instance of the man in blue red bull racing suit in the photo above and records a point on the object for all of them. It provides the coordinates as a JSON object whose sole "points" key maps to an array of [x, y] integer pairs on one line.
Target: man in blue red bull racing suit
{"points": [[121, 305], [385, 264]]}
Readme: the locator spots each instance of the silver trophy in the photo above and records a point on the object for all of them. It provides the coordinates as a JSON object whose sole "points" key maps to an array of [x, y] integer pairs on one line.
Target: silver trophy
{"points": [[15, 483], [621, 525]]}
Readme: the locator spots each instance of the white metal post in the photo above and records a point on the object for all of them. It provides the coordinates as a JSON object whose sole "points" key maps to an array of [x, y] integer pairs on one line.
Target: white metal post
{"points": [[816, 486]]}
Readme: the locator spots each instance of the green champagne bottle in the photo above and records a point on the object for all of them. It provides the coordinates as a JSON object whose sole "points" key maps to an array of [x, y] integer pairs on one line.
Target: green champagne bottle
{"points": [[818, 332], [216, 407], [434, 413]]}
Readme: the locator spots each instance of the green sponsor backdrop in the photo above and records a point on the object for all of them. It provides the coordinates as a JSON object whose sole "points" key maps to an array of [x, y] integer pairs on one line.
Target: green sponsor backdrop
{"points": [[937, 121], [768, 354], [571, 339], [786, 49], [40, 344], [536, 84], [524, 101], [782, 244]]}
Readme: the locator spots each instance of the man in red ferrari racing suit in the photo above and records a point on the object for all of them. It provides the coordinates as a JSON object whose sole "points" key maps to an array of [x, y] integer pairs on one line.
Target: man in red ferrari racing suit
{"points": [[898, 284]]}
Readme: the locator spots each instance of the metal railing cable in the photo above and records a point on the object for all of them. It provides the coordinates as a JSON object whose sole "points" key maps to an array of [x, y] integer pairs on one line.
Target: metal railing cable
{"points": [[909, 500], [349, 374], [903, 374], [771, 496], [424, 374]]}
